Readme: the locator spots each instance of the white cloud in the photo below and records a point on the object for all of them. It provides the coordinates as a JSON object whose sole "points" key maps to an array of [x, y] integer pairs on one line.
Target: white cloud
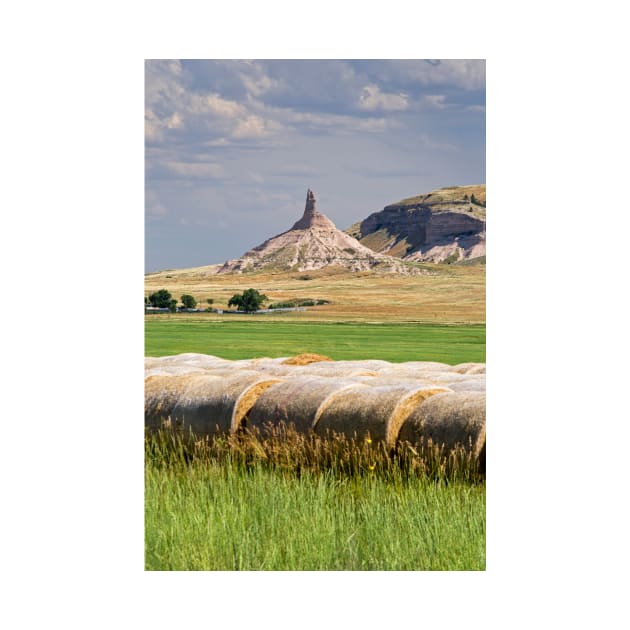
{"points": [[196, 170], [476, 108], [436, 100], [372, 98], [337, 122], [172, 105], [255, 127]]}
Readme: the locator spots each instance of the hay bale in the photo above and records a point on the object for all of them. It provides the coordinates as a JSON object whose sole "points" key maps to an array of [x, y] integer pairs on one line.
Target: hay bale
{"points": [[369, 364], [161, 394], [424, 366], [214, 404], [471, 384], [410, 383], [193, 358], [469, 368], [375, 411], [305, 359], [298, 401], [173, 370], [449, 419], [332, 370]]}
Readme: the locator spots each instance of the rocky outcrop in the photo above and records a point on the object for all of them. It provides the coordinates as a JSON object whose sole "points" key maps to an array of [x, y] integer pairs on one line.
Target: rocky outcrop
{"points": [[313, 243], [445, 224]]}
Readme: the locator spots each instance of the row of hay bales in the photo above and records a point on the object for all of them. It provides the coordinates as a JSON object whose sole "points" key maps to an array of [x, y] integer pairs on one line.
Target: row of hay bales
{"points": [[413, 401]]}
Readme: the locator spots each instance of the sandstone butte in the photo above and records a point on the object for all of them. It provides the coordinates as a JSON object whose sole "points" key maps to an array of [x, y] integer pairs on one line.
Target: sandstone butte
{"points": [[313, 243], [444, 224]]}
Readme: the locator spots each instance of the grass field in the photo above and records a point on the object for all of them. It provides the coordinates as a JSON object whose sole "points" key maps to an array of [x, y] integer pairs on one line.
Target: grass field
{"points": [[253, 336], [238, 514]]}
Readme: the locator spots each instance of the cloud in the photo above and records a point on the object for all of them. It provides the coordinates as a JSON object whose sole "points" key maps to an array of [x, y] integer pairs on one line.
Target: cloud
{"points": [[174, 105], [372, 98], [196, 170], [255, 127], [476, 108], [336, 123], [466, 74], [436, 100]]}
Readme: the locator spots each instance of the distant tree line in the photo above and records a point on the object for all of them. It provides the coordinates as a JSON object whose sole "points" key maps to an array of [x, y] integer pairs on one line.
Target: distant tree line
{"points": [[249, 301], [164, 299]]}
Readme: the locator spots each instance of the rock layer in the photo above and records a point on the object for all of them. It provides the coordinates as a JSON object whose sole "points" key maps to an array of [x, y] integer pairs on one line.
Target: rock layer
{"points": [[445, 224]]}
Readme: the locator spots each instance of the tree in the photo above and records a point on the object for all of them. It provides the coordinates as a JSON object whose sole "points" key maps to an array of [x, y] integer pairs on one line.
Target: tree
{"points": [[172, 306], [160, 299], [210, 301], [188, 301], [250, 300]]}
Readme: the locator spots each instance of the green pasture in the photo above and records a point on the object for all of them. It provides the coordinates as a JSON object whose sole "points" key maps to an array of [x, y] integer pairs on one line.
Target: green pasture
{"points": [[256, 338], [211, 517]]}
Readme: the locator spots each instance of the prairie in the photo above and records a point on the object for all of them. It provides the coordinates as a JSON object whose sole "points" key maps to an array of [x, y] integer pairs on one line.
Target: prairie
{"points": [[448, 294]]}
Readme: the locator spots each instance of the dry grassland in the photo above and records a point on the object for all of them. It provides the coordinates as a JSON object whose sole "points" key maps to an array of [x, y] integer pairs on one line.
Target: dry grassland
{"points": [[448, 294]]}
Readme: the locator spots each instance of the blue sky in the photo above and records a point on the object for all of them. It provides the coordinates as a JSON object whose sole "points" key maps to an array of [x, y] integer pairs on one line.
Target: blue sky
{"points": [[232, 146]]}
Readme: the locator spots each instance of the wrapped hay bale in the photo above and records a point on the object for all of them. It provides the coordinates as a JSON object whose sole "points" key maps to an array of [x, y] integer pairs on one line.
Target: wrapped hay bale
{"points": [[212, 404], [161, 394], [298, 401], [475, 383], [469, 368], [332, 370], [380, 381], [449, 419], [375, 411], [367, 364], [305, 359], [173, 370], [423, 366], [190, 358]]}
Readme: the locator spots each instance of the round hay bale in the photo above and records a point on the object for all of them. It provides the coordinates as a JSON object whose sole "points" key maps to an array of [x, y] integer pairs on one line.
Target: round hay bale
{"points": [[448, 420], [333, 370], [161, 394], [380, 381], [372, 365], [375, 411], [214, 404], [173, 370], [193, 358], [305, 359], [298, 401], [424, 366], [469, 368], [470, 384]]}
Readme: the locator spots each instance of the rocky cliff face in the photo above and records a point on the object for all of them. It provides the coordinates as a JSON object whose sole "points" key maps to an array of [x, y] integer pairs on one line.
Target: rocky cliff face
{"points": [[313, 243], [449, 223]]}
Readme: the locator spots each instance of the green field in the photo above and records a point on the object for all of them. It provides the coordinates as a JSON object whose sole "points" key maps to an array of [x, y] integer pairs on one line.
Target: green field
{"points": [[211, 517], [254, 337]]}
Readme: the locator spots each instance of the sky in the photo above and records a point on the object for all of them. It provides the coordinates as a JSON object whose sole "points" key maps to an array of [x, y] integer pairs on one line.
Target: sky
{"points": [[231, 147]]}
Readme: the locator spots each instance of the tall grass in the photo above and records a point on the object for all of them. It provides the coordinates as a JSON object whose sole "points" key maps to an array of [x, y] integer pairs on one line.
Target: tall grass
{"points": [[282, 501]]}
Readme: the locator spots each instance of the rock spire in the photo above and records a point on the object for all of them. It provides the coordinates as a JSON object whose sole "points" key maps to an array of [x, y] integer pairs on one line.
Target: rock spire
{"points": [[312, 218]]}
